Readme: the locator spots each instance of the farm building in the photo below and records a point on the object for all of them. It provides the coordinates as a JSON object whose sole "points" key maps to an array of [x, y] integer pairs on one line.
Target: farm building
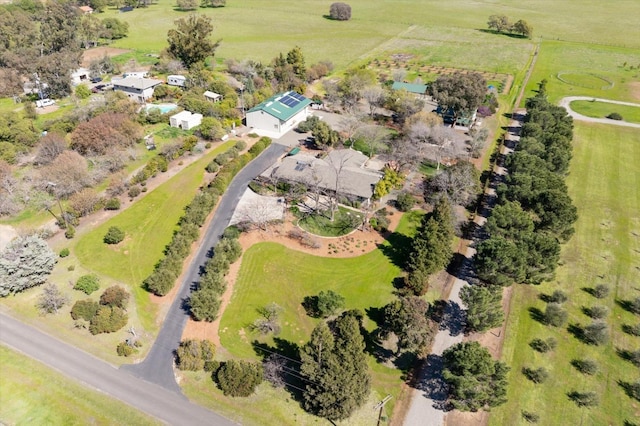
{"points": [[177, 80], [278, 114], [211, 96], [345, 168], [86, 10], [417, 89], [136, 88], [185, 120]]}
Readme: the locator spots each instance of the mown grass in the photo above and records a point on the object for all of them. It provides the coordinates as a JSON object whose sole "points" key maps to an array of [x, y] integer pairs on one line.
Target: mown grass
{"points": [[603, 109], [344, 221], [605, 249], [31, 393], [271, 272], [148, 225], [587, 60]]}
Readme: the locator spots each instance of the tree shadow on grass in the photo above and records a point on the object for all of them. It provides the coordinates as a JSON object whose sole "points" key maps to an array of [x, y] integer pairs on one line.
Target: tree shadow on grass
{"points": [[397, 249], [629, 389], [288, 353], [498, 33], [628, 355], [536, 315], [627, 305], [577, 331]]}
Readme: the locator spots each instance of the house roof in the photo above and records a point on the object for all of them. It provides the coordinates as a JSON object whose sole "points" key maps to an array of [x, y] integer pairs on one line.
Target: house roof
{"points": [[420, 89], [211, 95], [347, 165], [283, 105], [186, 115], [86, 9], [137, 83]]}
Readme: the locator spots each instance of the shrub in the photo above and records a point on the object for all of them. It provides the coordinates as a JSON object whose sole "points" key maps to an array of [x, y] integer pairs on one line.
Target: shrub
{"points": [[87, 284], [204, 304], [634, 305], [192, 354], [634, 330], [558, 296], [615, 116], [85, 309], [212, 167], [107, 320], [596, 333], [536, 375], [70, 232], [597, 312], [240, 145], [134, 191], [405, 201], [212, 366], [543, 346], [114, 235], [239, 378], [64, 252], [554, 315], [601, 291], [115, 296], [328, 303], [124, 349], [585, 366], [231, 232], [112, 204], [340, 11], [530, 417], [584, 399]]}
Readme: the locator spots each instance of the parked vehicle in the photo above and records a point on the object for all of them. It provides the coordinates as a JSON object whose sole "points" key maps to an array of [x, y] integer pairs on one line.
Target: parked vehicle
{"points": [[41, 103]]}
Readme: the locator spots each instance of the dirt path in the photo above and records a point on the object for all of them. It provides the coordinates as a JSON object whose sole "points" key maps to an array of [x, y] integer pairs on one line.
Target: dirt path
{"points": [[367, 240], [566, 103]]}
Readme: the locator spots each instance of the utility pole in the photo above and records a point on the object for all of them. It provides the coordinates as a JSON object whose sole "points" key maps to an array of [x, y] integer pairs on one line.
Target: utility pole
{"points": [[380, 405]]}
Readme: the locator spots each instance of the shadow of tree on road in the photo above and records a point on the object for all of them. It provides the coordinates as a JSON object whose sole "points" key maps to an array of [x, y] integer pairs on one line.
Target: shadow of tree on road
{"points": [[432, 383]]}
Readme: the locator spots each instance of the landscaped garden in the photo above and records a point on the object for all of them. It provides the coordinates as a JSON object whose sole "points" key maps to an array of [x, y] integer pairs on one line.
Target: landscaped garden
{"points": [[320, 223]]}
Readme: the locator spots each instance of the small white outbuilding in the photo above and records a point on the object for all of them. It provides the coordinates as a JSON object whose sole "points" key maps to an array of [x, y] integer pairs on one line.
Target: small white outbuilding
{"points": [[185, 120], [177, 80]]}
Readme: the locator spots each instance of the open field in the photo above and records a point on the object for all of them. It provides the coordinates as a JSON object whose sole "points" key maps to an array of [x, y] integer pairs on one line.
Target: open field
{"points": [[587, 70], [241, 25], [31, 393], [148, 226], [602, 109], [604, 184], [272, 273]]}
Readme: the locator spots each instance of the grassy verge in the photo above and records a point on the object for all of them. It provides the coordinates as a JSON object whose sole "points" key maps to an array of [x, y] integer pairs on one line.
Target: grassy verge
{"points": [[31, 393], [604, 184], [148, 224], [602, 109]]}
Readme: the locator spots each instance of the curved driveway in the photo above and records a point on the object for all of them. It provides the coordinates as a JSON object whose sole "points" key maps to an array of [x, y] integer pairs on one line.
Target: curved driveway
{"points": [[566, 103], [158, 365]]}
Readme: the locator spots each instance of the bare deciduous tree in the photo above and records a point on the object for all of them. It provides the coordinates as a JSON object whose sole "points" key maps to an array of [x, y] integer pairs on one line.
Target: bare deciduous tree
{"points": [[51, 299], [269, 321], [261, 211], [375, 97], [376, 137], [273, 368], [67, 174], [50, 147]]}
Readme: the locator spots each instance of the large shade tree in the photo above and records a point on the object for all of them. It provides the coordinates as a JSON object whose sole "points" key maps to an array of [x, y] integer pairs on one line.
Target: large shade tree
{"points": [[26, 262], [459, 93], [190, 42]]}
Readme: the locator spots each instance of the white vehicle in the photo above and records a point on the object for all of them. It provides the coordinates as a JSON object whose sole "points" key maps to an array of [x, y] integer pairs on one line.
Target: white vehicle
{"points": [[44, 103]]}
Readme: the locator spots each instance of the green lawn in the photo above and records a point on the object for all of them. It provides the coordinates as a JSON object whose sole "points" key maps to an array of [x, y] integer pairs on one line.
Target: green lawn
{"points": [[272, 273], [602, 109], [148, 224], [580, 63], [32, 394], [344, 221], [605, 185]]}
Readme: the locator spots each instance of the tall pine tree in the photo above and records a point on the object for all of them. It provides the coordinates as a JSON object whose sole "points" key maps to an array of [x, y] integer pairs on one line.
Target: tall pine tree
{"points": [[335, 367]]}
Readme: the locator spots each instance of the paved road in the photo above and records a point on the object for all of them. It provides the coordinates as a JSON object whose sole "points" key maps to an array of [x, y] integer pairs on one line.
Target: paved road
{"points": [[158, 365], [152, 399], [566, 103], [429, 397]]}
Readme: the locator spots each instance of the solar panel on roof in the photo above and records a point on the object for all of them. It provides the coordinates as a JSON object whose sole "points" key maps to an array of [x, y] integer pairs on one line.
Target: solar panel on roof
{"points": [[289, 100]]}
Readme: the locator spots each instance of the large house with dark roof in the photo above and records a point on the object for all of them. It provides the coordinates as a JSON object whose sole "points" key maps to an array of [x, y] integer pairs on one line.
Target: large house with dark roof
{"points": [[136, 88], [278, 114]]}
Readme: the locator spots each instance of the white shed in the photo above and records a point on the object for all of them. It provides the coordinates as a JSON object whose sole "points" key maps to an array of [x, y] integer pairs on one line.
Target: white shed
{"points": [[212, 96], [185, 120], [177, 80]]}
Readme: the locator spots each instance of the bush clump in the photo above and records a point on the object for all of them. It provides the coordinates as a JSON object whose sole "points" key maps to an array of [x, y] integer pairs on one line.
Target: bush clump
{"points": [[601, 291], [115, 296], [84, 309], [596, 333], [112, 204], [108, 319], [536, 375], [239, 378], [555, 315], [614, 116], [64, 252], [125, 349], [114, 235], [544, 346], [585, 366], [340, 11], [192, 354], [405, 201], [87, 284]]}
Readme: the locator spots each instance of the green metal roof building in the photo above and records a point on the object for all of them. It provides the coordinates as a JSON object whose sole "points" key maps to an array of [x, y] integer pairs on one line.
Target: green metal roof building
{"points": [[279, 113]]}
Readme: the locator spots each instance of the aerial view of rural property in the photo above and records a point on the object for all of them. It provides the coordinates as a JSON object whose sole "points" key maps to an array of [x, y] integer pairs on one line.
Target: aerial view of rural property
{"points": [[253, 212]]}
